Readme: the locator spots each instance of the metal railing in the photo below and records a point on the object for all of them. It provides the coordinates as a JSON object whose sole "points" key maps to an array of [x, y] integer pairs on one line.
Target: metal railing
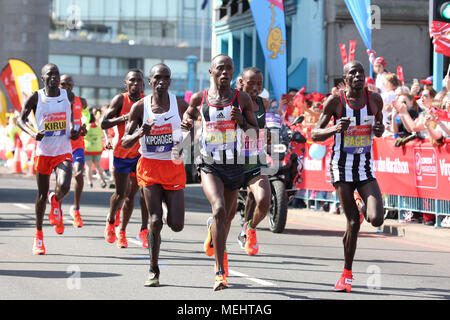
{"points": [[440, 208]]}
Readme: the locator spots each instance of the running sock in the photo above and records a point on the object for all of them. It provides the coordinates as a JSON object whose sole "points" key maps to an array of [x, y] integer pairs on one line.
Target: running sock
{"points": [[250, 224], [154, 269]]}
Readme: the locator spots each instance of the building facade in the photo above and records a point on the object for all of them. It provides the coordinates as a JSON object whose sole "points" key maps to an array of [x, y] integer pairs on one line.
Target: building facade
{"points": [[314, 30], [97, 42]]}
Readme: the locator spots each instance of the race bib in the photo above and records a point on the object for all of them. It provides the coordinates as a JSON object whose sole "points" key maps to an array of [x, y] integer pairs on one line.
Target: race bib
{"points": [[358, 138], [55, 124], [253, 142], [160, 139], [220, 135], [273, 120]]}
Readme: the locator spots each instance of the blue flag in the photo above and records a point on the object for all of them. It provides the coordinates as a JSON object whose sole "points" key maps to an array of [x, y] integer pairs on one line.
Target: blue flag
{"points": [[271, 27], [359, 9]]}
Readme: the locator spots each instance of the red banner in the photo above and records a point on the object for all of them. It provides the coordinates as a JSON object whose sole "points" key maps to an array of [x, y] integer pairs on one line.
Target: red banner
{"points": [[343, 53], [415, 170], [7, 79], [351, 50]]}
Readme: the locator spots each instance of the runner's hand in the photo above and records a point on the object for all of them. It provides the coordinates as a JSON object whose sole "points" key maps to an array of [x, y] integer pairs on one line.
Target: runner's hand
{"points": [[40, 135], [342, 124], [187, 124], [378, 129], [236, 115], [146, 129]]}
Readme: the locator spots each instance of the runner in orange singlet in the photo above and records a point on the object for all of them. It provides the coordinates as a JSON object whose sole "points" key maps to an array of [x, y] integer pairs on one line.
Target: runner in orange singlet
{"points": [[125, 161], [77, 150]]}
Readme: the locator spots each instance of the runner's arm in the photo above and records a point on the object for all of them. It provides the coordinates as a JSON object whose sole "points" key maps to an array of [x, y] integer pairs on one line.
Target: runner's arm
{"points": [[321, 132], [30, 106], [112, 117], [191, 114], [131, 135]]}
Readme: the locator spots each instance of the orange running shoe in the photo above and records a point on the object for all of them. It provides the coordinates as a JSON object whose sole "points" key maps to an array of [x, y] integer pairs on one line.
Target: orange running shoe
{"points": [[221, 281], [117, 220], [75, 214], [344, 283], [251, 243], [38, 246], [208, 244], [59, 227], [55, 209], [110, 232], [122, 240], [143, 237]]}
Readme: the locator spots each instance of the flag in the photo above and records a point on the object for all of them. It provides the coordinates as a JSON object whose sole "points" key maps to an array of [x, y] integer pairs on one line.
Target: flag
{"points": [[343, 50], [204, 4], [359, 10], [24, 78], [2, 109], [440, 32], [270, 23], [9, 84]]}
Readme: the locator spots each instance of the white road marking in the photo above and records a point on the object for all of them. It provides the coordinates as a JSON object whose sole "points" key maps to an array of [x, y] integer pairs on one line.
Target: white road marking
{"points": [[22, 206], [243, 275]]}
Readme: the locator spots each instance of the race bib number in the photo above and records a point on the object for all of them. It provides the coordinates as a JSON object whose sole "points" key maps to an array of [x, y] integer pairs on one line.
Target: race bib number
{"points": [[253, 142], [358, 138], [220, 135], [160, 139], [55, 124]]}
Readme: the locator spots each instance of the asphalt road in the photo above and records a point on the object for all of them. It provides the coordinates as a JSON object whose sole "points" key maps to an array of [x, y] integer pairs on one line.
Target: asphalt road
{"points": [[302, 263]]}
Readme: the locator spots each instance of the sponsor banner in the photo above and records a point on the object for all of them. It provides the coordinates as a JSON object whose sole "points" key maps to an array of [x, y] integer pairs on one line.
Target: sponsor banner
{"points": [[415, 170]]}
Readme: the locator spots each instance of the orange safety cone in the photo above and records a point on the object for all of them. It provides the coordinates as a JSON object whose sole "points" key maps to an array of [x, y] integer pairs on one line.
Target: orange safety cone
{"points": [[17, 163]]}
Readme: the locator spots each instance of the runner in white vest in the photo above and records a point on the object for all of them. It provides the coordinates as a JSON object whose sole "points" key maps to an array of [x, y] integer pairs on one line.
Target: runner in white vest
{"points": [[52, 107]]}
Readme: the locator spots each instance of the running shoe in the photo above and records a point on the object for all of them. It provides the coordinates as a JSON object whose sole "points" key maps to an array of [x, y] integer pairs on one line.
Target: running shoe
{"points": [[59, 227], [208, 244], [75, 214], [55, 209], [122, 240], [143, 237], [38, 245], [251, 245], [117, 220], [110, 232], [153, 278], [242, 237], [359, 204], [221, 281], [345, 283]]}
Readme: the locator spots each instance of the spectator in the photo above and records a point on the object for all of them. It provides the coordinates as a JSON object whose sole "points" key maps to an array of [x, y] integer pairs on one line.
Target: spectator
{"points": [[404, 101], [379, 66], [391, 83], [94, 147], [286, 109]]}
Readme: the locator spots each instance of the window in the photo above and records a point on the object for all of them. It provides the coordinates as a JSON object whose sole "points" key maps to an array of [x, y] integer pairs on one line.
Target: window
{"points": [[112, 9], [127, 8], [89, 95], [88, 66], [66, 63], [104, 67]]}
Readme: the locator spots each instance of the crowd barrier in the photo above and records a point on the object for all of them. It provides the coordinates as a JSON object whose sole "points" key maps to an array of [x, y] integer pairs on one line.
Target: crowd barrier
{"points": [[414, 177]]}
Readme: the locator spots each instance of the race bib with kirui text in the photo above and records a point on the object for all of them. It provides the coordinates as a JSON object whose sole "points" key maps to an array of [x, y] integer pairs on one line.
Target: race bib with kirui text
{"points": [[55, 124], [220, 135], [160, 139], [358, 138]]}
